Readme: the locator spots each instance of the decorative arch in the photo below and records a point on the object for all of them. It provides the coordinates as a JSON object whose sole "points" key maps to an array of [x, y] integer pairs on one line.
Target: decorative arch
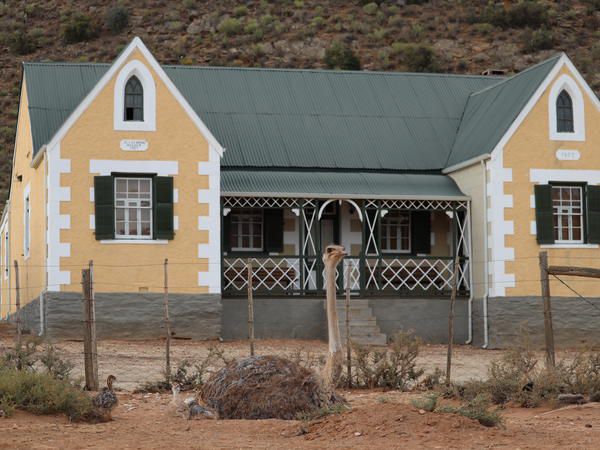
{"points": [[563, 90], [352, 202], [137, 69]]}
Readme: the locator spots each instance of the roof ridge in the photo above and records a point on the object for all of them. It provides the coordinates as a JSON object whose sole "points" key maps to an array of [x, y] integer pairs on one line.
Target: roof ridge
{"points": [[276, 69]]}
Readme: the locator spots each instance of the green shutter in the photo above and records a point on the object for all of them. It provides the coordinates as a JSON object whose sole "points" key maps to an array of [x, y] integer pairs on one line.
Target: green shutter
{"points": [[420, 232], [273, 230], [227, 232], [593, 214], [104, 198], [544, 216], [163, 208]]}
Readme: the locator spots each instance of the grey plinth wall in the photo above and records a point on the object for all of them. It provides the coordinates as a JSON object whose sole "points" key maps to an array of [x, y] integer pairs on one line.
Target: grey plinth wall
{"points": [[275, 318], [126, 315], [427, 317], [575, 322]]}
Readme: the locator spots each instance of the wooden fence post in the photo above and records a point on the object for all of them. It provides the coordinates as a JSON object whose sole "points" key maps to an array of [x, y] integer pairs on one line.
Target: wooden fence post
{"points": [[89, 330], [18, 304], [348, 344], [451, 319], [167, 325], [548, 331], [250, 307]]}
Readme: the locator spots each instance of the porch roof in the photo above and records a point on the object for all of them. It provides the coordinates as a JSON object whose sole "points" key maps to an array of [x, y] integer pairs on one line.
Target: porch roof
{"points": [[327, 184]]}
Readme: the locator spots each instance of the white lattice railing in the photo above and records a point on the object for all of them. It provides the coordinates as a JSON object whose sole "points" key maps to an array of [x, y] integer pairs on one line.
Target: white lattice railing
{"points": [[414, 274]]}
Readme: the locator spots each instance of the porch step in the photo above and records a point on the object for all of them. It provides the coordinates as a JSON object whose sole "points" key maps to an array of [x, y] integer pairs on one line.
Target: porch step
{"points": [[363, 325]]}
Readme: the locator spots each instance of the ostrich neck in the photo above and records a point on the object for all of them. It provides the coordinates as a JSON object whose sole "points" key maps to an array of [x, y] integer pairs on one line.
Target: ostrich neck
{"points": [[335, 341]]}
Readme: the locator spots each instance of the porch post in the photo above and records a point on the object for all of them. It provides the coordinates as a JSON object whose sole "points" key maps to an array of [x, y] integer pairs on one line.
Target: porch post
{"points": [[222, 231], [455, 240], [363, 260]]}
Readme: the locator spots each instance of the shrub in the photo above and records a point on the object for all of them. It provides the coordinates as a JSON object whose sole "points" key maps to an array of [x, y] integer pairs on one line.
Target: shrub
{"points": [[55, 366], [370, 8], [427, 403], [117, 19], [253, 28], [339, 56], [240, 11], [230, 26], [394, 368], [78, 28], [527, 13], [477, 409], [22, 43], [541, 39], [417, 57], [21, 358], [40, 393], [434, 380]]}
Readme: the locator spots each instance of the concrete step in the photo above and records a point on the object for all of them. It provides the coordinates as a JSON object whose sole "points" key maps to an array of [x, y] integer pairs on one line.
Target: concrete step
{"points": [[379, 340]]}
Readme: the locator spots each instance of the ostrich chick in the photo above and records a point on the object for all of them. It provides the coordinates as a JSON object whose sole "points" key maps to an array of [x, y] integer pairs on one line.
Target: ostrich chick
{"points": [[107, 400]]}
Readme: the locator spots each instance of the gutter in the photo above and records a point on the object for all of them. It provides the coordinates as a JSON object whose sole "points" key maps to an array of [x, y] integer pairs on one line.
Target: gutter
{"points": [[35, 162], [467, 163], [485, 258]]}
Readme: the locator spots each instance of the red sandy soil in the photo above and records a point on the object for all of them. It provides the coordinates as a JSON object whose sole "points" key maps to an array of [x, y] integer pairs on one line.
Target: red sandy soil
{"points": [[376, 420]]}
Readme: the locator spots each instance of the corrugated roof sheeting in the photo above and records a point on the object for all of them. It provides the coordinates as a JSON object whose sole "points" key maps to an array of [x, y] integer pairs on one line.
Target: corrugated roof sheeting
{"points": [[357, 185], [490, 112]]}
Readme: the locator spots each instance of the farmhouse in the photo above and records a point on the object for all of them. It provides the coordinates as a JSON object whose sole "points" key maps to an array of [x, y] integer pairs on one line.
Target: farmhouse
{"points": [[132, 163]]}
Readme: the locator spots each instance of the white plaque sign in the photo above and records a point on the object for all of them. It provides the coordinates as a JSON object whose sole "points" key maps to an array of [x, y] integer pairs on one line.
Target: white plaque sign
{"points": [[134, 145], [567, 155]]}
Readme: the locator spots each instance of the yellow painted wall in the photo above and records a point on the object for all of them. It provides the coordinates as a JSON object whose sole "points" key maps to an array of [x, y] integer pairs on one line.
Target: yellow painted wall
{"points": [[135, 267], [32, 276], [530, 147]]}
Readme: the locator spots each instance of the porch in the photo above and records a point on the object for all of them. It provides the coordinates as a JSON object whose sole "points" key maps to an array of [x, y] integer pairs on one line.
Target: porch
{"points": [[398, 247]]}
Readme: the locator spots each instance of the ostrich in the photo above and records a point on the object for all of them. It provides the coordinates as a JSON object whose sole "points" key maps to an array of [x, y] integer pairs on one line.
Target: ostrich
{"points": [[333, 367], [189, 408], [107, 400]]}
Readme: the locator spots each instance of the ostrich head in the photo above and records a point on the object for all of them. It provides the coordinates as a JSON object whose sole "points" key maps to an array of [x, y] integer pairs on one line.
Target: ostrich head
{"points": [[110, 380], [334, 254]]}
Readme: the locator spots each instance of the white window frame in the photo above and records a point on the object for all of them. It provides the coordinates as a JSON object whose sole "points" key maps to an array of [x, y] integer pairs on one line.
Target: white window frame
{"points": [[568, 84], [138, 69], [567, 210], [247, 212], [27, 221], [399, 227], [136, 206]]}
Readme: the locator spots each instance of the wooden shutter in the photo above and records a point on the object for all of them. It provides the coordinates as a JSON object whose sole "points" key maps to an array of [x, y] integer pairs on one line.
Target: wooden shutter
{"points": [[544, 220], [104, 206], [227, 232], [420, 232], [273, 230], [163, 208], [593, 214]]}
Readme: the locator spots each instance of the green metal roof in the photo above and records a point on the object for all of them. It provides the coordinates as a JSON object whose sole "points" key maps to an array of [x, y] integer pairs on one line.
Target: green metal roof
{"points": [[330, 120], [371, 185], [490, 112]]}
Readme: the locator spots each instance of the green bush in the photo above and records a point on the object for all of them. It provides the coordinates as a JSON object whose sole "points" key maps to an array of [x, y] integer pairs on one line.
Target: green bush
{"points": [[41, 393], [252, 28], [230, 26], [527, 13], [476, 409], [117, 19], [78, 28], [416, 57], [541, 39], [339, 56], [240, 11], [370, 8], [22, 42], [427, 403]]}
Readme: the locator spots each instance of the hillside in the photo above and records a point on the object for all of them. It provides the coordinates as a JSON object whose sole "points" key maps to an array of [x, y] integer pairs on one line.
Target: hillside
{"points": [[460, 36]]}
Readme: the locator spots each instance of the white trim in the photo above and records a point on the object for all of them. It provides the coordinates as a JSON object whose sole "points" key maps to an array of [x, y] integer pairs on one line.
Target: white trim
{"points": [[467, 163], [136, 44], [108, 166], [134, 241], [92, 221], [565, 82], [175, 195], [92, 194], [138, 69], [533, 227], [56, 194], [569, 245], [544, 176], [176, 223], [347, 196], [27, 221], [352, 202]]}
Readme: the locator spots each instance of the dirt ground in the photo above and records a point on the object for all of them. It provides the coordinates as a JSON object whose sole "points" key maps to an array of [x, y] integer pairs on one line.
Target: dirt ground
{"points": [[377, 419]]}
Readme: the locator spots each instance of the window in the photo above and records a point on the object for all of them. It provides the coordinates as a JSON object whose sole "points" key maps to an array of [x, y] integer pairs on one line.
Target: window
{"points": [[134, 100], [395, 232], [567, 209], [27, 227], [564, 113], [247, 230], [133, 208]]}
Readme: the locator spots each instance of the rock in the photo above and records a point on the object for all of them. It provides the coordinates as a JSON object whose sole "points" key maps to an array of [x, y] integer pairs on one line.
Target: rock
{"points": [[421, 411], [357, 433], [571, 399], [588, 425], [203, 24]]}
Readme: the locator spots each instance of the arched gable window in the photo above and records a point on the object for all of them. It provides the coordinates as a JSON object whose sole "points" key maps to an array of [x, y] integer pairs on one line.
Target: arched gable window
{"points": [[564, 113], [134, 100]]}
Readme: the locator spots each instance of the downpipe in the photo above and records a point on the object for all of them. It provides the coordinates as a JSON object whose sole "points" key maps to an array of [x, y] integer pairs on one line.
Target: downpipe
{"points": [[485, 259]]}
